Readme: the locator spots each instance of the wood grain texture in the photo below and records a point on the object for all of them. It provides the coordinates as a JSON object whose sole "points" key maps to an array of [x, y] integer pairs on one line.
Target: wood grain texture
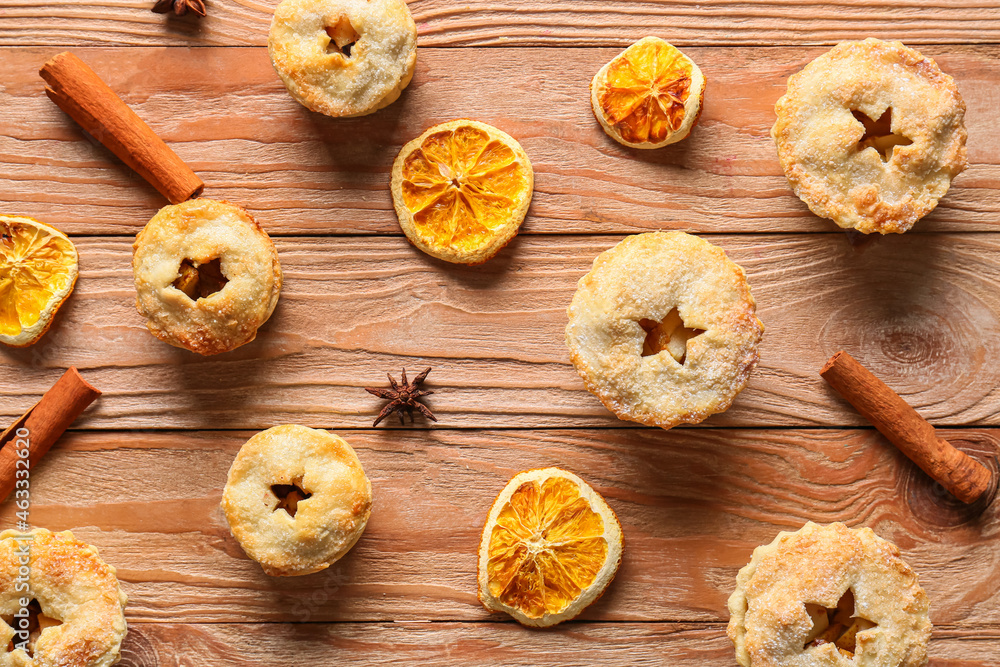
{"points": [[693, 505], [525, 22], [921, 311], [495, 644], [226, 113]]}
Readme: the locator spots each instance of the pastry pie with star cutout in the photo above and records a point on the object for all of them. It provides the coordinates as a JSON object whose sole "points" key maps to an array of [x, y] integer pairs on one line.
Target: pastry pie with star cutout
{"points": [[75, 605], [870, 135], [343, 57], [828, 596], [206, 276], [663, 330], [296, 499]]}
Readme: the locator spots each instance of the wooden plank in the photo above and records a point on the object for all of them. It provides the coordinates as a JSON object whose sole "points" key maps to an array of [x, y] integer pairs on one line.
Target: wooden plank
{"points": [[227, 114], [922, 311], [693, 504], [500, 644], [527, 22]]}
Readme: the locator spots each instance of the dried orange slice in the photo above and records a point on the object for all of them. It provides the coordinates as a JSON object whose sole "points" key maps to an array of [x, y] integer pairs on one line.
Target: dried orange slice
{"points": [[461, 190], [38, 269], [649, 95], [550, 547]]}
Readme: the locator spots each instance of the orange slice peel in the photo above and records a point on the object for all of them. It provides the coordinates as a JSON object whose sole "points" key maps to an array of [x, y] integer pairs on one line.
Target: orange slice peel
{"points": [[38, 269], [549, 549], [461, 190], [650, 95]]}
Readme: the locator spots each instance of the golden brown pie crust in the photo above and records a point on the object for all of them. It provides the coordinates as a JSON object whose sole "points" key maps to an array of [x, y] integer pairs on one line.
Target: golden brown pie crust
{"points": [[73, 585], [203, 230], [325, 525], [323, 78], [769, 622], [818, 136], [645, 277]]}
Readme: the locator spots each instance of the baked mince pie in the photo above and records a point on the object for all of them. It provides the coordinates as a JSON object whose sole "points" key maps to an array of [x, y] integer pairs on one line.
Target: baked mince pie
{"points": [[663, 329], [828, 596], [297, 499], [343, 57], [870, 135], [60, 603], [206, 276]]}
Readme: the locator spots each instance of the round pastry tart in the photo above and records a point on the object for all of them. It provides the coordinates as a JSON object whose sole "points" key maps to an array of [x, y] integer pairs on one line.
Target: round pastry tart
{"points": [[870, 135], [461, 190], [649, 95], [38, 270], [663, 329], [297, 499], [343, 57], [60, 603], [828, 595], [550, 547], [206, 276]]}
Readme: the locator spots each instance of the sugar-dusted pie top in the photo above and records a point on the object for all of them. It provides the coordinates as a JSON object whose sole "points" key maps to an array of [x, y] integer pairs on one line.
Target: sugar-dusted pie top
{"points": [[73, 586], [325, 525], [323, 78], [644, 278], [818, 136], [203, 230], [816, 565]]}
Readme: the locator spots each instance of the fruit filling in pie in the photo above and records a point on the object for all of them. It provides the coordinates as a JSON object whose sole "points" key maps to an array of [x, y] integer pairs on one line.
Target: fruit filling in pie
{"points": [[670, 334], [828, 596], [838, 626]]}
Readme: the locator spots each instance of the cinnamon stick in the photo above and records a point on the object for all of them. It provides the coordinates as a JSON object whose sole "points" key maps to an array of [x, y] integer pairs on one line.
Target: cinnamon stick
{"points": [[41, 426], [963, 476], [78, 91]]}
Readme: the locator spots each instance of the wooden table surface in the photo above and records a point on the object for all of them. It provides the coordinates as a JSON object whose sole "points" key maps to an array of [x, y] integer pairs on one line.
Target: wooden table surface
{"points": [[141, 474]]}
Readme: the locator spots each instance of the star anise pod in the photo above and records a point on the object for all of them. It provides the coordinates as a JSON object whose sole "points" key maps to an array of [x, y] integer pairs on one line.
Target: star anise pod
{"points": [[403, 398], [180, 7]]}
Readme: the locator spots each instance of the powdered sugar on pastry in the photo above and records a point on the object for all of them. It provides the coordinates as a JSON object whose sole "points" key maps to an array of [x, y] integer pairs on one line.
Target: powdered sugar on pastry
{"points": [[663, 329], [182, 241], [325, 521], [776, 611], [82, 617], [343, 57], [886, 176]]}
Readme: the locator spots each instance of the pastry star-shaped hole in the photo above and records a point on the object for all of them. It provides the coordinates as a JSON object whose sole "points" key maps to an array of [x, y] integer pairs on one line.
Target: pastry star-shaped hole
{"points": [[37, 624], [839, 626], [342, 36], [878, 134], [668, 334], [289, 496], [200, 280]]}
